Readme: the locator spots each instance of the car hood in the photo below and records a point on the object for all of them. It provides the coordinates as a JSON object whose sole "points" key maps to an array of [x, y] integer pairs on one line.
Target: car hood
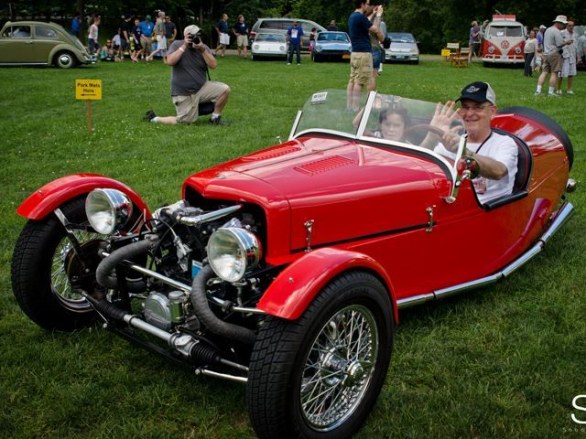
{"points": [[401, 47], [333, 45], [347, 189]]}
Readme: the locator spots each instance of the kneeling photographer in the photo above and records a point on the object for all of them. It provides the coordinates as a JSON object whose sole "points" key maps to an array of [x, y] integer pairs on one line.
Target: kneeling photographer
{"points": [[191, 90]]}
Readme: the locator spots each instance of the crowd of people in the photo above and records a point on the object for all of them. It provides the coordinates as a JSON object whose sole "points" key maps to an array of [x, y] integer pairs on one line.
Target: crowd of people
{"points": [[135, 39]]}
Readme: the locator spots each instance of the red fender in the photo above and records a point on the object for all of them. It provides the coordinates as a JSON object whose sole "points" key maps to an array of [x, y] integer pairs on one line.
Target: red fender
{"points": [[45, 200], [294, 289]]}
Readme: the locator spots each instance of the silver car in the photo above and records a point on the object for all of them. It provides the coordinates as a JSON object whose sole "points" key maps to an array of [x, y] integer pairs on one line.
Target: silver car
{"points": [[39, 43], [332, 46], [403, 48]]}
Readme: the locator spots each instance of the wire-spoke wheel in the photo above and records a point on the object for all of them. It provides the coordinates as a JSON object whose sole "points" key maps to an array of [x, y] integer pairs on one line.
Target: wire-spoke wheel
{"points": [[339, 367], [319, 376], [49, 273]]}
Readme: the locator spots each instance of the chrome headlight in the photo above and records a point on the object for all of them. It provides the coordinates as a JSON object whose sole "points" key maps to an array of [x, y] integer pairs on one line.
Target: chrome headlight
{"points": [[232, 252], [107, 210]]}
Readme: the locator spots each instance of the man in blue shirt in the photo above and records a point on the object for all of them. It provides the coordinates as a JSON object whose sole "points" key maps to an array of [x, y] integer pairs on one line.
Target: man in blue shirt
{"points": [[76, 24], [223, 37], [359, 29], [146, 39], [294, 34]]}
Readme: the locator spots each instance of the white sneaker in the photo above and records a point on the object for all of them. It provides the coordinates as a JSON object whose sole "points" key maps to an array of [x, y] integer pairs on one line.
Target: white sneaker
{"points": [[537, 93], [555, 95], [570, 92]]}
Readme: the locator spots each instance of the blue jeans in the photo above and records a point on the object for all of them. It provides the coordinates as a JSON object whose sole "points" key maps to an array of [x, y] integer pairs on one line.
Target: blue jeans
{"points": [[294, 47]]}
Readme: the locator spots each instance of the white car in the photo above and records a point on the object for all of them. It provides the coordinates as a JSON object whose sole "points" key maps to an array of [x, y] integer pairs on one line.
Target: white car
{"points": [[403, 48], [269, 45]]}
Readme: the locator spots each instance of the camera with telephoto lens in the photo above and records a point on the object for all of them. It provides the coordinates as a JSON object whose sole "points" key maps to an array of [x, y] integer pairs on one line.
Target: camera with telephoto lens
{"points": [[195, 39]]}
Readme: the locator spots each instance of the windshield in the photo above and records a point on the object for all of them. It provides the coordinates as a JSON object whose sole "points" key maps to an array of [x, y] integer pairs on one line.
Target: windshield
{"points": [[337, 36], [389, 120], [506, 31], [273, 38], [401, 38]]}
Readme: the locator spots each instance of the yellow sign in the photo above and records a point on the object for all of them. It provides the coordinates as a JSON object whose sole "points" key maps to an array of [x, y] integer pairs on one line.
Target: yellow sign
{"points": [[446, 52], [89, 89]]}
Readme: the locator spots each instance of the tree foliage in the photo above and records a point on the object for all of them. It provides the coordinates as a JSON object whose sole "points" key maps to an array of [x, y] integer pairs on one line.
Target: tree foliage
{"points": [[432, 22]]}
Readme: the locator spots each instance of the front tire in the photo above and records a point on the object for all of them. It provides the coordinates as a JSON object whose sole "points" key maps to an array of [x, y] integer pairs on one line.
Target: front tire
{"points": [[319, 376], [44, 264]]}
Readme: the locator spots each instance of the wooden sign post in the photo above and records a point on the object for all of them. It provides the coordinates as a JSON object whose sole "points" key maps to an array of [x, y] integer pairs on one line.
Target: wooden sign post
{"points": [[89, 90]]}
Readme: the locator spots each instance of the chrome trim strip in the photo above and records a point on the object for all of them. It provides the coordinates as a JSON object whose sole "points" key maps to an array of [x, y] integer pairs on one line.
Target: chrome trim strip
{"points": [[561, 217], [523, 259], [415, 300], [450, 291]]}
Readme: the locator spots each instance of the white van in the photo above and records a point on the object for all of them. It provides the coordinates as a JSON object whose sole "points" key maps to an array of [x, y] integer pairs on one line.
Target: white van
{"points": [[503, 41]]}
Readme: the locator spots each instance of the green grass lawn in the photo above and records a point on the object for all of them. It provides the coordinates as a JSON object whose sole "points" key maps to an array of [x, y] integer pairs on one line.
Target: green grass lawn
{"points": [[501, 362]]}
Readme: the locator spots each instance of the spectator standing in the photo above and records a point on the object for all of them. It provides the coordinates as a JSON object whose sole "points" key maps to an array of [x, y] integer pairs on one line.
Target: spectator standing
{"points": [[146, 35], [539, 37], [125, 32], [332, 26], [223, 36], [137, 53], [170, 30], [569, 58], [241, 32], [582, 48], [92, 37], [190, 60], [361, 62], [378, 52], [76, 25], [483, 29], [553, 44], [529, 50], [160, 33], [474, 41], [312, 37], [294, 34]]}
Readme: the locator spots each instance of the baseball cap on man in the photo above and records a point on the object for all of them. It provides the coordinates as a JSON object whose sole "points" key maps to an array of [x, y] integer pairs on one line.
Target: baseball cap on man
{"points": [[478, 92], [192, 29], [561, 19]]}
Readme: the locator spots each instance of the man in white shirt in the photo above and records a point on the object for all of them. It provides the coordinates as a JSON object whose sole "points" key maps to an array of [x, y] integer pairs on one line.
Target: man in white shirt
{"points": [[496, 154]]}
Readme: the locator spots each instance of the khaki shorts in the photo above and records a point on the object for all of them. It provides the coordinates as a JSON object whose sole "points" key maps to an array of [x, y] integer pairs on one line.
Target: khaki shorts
{"points": [[146, 43], [242, 41], [360, 67], [187, 106], [552, 63]]}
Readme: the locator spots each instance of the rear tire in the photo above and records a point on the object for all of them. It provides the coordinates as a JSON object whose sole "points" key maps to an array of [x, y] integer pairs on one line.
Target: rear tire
{"points": [[65, 60], [42, 268], [319, 376]]}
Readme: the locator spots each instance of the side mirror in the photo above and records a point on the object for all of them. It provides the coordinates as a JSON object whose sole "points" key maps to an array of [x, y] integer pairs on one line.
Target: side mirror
{"points": [[387, 43]]}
